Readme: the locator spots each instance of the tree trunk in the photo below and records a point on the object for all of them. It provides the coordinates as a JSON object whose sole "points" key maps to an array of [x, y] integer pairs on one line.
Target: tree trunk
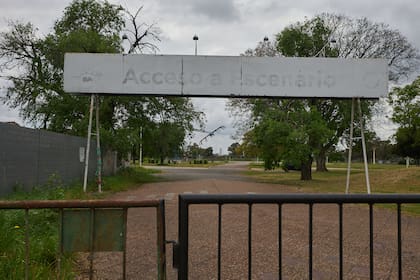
{"points": [[321, 162], [306, 169]]}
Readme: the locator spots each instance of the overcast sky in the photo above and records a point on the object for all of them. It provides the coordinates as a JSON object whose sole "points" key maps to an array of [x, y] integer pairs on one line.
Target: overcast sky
{"points": [[224, 27]]}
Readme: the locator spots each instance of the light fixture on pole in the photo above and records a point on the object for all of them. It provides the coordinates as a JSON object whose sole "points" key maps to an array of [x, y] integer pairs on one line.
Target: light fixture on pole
{"points": [[265, 39], [124, 37], [195, 38]]}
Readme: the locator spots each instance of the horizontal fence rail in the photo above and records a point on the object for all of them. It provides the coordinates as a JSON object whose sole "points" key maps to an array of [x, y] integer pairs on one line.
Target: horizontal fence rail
{"points": [[93, 207], [185, 200]]}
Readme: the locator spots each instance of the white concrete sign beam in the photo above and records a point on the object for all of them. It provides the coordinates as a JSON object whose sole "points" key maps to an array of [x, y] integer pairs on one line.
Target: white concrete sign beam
{"points": [[224, 76]]}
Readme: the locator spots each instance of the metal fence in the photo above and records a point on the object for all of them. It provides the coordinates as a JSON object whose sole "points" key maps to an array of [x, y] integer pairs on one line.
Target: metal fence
{"points": [[92, 226], [186, 200], [32, 157]]}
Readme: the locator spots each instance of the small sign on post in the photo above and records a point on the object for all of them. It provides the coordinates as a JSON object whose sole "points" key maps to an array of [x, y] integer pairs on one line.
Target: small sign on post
{"points": [[108, 230]]}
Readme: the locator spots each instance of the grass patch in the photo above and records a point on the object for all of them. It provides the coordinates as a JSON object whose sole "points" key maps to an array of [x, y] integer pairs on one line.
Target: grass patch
{"points": [[383, 179], [127, 178], [44, 225], [207, 164]]}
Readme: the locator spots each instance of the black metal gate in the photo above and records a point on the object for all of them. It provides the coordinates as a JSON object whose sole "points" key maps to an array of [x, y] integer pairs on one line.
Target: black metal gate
{"points": [[181, 252]]}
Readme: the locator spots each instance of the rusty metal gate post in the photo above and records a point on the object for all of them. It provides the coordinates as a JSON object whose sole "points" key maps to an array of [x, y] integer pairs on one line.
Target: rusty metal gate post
{"points": [[182, 257]]}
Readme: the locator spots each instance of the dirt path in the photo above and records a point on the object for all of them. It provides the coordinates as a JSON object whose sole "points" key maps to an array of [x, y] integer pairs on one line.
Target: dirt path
{"points": [[141, 255]]}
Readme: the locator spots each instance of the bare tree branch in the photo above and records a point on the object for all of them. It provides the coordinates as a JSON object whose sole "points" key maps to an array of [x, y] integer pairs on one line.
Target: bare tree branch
{"points": [[141, 35]]}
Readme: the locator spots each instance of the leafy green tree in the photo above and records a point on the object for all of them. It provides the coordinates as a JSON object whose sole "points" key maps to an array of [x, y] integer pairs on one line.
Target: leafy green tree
{"points": [[355, 38], [194, 150], [248, 146], [37, 75], [164, 140], [233, 149], [406, 105], [289, 131], [208, 152]]}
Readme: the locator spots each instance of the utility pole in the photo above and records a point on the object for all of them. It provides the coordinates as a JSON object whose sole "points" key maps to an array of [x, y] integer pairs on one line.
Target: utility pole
{"points": [[98, 148]]}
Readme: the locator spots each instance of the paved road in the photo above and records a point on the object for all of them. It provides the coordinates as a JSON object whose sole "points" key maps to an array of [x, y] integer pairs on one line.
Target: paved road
{"points": [[141, 241]]}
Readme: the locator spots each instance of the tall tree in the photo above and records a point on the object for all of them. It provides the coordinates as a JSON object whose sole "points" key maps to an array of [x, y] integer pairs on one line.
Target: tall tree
{"points": [[37, 76], [233, 149], [165, 140], [355, 38], [406, 105]]}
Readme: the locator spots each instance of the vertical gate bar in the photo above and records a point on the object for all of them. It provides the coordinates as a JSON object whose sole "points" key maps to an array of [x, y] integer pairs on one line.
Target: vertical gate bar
{"points": [[60, 244], [91, 240], [183, 239], [399, 241], [371, 239], [27, 246], [340, 234], [219, 243], [161, 242], [280, 240], [249, 241], [310, 239], [125, 209]]}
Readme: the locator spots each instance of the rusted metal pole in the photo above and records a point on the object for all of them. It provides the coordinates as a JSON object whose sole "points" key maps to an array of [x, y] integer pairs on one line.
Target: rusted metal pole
{"points": [[98, 147], [38, 204]]}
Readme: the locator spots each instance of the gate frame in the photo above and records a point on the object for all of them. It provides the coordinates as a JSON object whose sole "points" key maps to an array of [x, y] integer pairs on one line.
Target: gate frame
{"points": [[27, 205], [185, 200]]}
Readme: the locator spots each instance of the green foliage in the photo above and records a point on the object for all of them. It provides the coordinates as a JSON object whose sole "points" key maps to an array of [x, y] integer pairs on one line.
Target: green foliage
{"points": [[128, 178], [313, 127], [165, 140], [99, 17], [289, 131], [306, 39], [233, 149], [36, 88], [248, 147], [44, 224], [406, 105], [43, 233], [195, 151]]}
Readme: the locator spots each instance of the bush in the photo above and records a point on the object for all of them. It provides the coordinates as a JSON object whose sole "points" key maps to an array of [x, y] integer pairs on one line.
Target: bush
{"points": [[44, 225], [43, 236]]}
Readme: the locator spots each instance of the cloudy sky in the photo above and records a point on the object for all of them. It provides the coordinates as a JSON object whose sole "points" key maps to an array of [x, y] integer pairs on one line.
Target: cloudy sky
{"points": [[224, 27]]}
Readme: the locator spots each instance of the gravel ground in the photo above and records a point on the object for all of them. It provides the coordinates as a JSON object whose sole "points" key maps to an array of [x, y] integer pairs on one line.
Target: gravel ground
{"points": [[141, 242]]}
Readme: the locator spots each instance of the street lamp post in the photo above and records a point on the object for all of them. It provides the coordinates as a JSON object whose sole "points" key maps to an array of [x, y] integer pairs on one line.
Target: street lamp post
{"points": [[195, 38]]}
